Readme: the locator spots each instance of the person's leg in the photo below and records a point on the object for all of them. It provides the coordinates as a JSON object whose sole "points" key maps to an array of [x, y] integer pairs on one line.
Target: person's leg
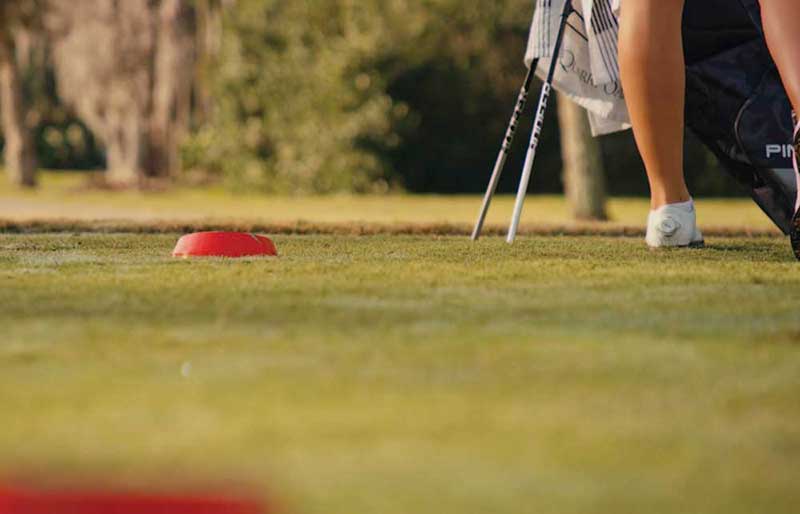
{"points": [[782, 28], [654, 80]]}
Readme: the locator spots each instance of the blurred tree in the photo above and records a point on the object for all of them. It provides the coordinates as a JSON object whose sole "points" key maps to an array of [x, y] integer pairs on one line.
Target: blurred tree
{"points": [[458, 75], [127, 68], [208, 45], [16, 16], [173, 74], [297, 100], [584, 176], [360, 96]]}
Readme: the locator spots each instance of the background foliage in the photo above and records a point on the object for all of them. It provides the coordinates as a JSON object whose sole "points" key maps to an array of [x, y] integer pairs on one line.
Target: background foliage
{"points": [[342, 95], [320, 96]]}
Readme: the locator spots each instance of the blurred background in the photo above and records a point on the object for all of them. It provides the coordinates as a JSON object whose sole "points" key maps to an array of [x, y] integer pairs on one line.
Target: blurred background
{"points": [[292, 97]]}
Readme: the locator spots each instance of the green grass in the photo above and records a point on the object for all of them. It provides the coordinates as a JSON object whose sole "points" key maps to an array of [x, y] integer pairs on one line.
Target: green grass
{"points": [[61, 196], [411, 374]]}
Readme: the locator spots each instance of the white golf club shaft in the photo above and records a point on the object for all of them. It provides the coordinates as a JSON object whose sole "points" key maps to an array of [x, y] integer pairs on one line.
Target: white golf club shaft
{"points": [[544, 99]]}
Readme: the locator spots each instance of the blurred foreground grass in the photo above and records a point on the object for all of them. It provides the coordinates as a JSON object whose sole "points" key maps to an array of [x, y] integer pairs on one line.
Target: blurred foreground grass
{"points": [[62, 197], [398, 375]]}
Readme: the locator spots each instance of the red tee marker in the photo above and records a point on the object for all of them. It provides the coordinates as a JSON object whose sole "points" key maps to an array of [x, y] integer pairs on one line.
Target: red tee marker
{"points": [[24, 501], [224, 244]]}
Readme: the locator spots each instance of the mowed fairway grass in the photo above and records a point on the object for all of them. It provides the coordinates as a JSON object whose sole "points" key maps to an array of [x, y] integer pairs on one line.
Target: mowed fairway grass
{"points": [[401, 374]]}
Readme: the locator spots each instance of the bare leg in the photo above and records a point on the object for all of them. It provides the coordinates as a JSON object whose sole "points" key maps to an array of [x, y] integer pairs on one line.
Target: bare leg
{"points": [[782, 28], [654, 79]]}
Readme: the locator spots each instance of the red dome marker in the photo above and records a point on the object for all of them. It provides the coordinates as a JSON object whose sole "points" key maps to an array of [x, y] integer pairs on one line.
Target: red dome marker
{"points": [[224, 244], [25, 501]]}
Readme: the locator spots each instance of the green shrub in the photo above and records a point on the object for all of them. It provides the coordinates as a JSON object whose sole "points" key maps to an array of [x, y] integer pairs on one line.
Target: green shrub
{"points": [[296, 100]]}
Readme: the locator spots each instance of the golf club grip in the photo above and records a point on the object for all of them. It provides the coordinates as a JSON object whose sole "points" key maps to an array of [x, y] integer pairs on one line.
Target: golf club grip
{"points": [[538, 125], [505, 148]]}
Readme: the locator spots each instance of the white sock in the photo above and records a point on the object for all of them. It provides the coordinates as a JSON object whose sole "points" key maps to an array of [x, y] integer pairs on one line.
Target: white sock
{"points": [[684, 206]]}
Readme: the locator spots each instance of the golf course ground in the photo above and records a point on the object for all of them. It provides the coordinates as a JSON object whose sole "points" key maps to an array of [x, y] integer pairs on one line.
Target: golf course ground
{"points": [[396, 373]]}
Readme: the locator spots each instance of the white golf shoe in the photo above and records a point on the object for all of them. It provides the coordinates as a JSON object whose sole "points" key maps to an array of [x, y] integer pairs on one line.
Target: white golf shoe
{"points": [[674, 226]]}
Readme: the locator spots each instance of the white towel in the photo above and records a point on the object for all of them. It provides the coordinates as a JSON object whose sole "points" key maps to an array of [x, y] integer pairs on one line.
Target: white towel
{"points": [[589, 65]]}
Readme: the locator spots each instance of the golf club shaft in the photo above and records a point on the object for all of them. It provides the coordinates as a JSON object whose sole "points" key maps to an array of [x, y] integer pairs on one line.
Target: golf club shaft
{"points": [[508, 141], [538, 125]]}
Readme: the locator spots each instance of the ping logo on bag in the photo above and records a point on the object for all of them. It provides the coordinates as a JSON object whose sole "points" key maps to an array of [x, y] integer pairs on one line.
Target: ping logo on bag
{"points": [[785, 151]]}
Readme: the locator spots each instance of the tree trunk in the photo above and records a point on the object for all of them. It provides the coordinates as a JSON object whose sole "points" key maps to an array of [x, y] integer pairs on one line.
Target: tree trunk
{"points": [[173, 60], [208, 44], [584, 177], [124, 147], [136, 94], [20, 155]]}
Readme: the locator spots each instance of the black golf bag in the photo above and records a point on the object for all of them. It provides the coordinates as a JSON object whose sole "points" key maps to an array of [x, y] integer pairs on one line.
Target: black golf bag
{"points": [[736, 103]]}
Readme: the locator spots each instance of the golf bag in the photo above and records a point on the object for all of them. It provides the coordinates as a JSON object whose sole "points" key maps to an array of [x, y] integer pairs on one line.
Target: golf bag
{"points": [[736, 103]]}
